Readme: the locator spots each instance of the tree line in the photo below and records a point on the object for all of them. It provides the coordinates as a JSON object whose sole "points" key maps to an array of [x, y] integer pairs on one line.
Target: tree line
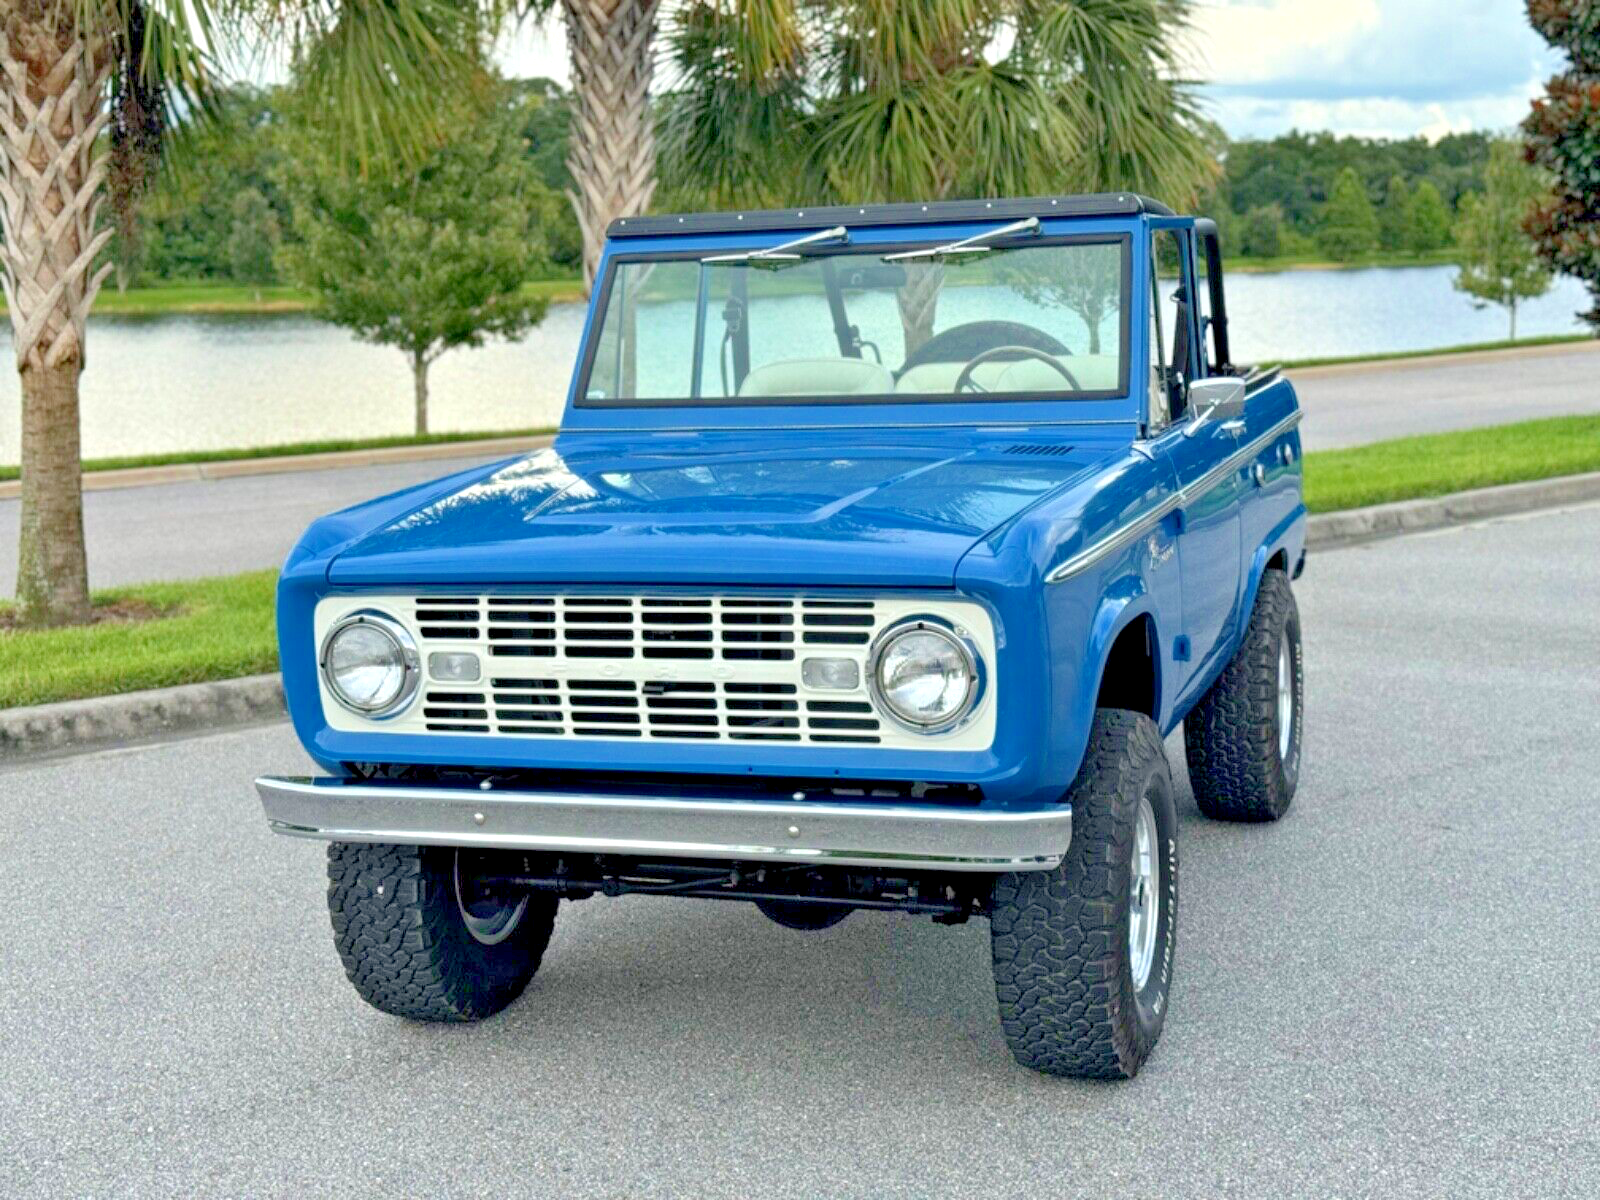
{"points": [[1306, 195], [223, 212], [222, 216]]}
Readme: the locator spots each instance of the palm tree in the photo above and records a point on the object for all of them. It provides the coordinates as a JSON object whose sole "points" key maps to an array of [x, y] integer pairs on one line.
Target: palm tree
{"points": [[70, 67], [611, 153], [811, 102]]}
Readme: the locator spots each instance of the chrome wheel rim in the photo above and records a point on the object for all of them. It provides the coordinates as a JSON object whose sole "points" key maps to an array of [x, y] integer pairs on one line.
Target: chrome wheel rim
{"points": [[1144, 896], [489, 919], [1285, 696]]}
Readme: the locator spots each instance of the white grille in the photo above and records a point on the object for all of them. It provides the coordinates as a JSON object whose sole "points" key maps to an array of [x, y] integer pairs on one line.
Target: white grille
{"points": [[657, 667]]}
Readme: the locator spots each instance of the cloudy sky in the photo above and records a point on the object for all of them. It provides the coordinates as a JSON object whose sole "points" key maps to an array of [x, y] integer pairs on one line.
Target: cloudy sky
{"points": [[1383, 68]]}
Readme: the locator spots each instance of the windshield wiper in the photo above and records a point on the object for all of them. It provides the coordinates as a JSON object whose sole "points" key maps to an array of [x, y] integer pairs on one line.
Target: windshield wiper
{"points": [[976, 244], [782, 254]]}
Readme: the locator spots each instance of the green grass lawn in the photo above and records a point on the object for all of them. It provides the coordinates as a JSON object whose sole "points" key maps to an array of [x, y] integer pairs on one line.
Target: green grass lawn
{"points": [[223, 627], [227, 298], [1549, 339], [218, 628], [291, 448], [1437, 464]]}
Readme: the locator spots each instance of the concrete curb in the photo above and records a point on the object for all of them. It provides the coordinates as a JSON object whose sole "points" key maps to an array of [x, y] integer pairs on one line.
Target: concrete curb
{"points": [[101, 481], [108, 721], [1329, 530]]}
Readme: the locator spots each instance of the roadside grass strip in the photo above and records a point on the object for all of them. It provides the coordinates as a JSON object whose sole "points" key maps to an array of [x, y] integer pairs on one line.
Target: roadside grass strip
{"points": [[1437, 464], [1526, 343], [166, 634], [244, 300], [291, 449], [205, 629]]}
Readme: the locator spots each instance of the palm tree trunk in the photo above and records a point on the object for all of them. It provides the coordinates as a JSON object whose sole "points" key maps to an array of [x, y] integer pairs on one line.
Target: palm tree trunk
{"points": [[52, 110], [919, 302], [419, 384], [611, 154]]}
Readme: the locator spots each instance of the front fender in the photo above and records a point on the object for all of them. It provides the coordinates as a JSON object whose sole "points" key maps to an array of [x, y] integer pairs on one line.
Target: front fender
{"points": [[1086, 616], [1287, 536]]}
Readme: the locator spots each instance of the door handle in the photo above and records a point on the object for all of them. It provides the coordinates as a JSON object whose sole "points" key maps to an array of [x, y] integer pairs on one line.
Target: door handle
{"points": [[1234, 427]]}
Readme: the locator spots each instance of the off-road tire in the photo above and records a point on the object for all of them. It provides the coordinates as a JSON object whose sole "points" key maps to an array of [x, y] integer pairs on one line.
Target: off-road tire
{"points": [[1231, 739], [1062, 965], [405, 945]]}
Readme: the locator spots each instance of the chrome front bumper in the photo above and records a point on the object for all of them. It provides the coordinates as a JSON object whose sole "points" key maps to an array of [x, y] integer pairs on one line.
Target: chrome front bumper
{"points": [[891, 835]]}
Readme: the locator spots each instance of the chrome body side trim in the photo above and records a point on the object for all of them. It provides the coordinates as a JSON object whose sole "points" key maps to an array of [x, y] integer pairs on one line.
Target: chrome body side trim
{"points": [[906, 836], [1124, 535]]}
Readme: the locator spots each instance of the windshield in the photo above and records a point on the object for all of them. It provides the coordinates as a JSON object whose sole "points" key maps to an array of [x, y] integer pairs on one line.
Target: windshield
{"points": [[1044, 321]]}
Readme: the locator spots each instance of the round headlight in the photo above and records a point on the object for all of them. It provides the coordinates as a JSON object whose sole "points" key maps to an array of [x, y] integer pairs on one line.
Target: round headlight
{"points": [[370, 664], [924, 676]]}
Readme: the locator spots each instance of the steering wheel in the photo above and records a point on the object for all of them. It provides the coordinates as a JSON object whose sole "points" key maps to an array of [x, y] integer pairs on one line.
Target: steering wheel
{"points": [[965, 381], [961, 342]]}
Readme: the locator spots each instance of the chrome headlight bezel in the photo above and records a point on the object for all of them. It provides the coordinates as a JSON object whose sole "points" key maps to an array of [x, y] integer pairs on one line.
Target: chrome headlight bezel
{"points": [[963, 645], [405, 646]]}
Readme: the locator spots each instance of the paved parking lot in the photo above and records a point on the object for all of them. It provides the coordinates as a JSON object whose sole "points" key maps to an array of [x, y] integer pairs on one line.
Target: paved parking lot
{"points": [[1391, 993]]}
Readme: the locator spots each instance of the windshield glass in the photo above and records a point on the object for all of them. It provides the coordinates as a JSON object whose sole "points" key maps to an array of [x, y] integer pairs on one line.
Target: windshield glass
{"points": [[1045, 321]]}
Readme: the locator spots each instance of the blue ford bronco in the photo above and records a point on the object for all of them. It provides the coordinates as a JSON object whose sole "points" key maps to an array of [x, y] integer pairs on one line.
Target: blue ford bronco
{"points": [[878, 552]]}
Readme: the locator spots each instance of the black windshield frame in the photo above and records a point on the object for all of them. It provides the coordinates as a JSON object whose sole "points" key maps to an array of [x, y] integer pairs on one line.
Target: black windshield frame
{"points": [[602, 300]]}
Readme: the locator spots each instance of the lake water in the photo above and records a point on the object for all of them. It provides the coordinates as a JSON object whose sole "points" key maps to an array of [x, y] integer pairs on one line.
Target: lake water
{"points": [[161, 384]]}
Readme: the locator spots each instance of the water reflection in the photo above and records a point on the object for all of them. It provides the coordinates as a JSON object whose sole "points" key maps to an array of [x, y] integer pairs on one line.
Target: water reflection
{"points": [[178, 383]]}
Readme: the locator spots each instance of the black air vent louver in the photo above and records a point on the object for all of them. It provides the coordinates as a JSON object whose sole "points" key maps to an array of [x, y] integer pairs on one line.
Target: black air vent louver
{"points": [[1046, 449]]}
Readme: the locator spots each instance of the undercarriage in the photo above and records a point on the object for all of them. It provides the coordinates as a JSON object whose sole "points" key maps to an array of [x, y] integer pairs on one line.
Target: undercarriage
{"points": [[502, 876]]}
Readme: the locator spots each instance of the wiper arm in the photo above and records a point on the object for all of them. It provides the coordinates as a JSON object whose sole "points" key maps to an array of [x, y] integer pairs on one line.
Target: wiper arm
{"points": [[782, 253], [978, 243]]}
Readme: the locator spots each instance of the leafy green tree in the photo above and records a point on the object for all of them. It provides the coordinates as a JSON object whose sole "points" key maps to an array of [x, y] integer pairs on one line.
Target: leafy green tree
{"points": [[68, 69], [546, 129], [254, 238], [186, 218], [1427, 220], [805, 102], [1563, 137], [1261, 232], [1349, 224], [1295, 171], [428, 262], [1392, 216], [1499, 263], [1088, 283]]}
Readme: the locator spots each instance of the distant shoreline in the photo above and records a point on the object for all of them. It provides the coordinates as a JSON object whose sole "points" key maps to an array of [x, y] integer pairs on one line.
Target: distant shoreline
{"points": [[235, 300]]}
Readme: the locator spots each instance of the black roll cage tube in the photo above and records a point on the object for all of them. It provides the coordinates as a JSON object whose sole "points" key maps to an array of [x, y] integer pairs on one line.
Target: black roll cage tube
{"points": [[737, 328], [1217, 319]]}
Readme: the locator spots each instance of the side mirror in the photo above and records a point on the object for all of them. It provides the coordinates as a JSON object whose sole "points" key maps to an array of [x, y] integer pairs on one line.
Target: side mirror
{"points": [[1214, 399]]}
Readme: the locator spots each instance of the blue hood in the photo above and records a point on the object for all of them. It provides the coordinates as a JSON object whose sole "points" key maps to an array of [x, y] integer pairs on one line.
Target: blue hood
{"points": [[843, 512]]}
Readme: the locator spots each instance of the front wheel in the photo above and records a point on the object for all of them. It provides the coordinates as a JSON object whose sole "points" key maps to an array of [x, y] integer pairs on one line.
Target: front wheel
{"points": [[1083, 953], [1243, 740], [422, 939]]}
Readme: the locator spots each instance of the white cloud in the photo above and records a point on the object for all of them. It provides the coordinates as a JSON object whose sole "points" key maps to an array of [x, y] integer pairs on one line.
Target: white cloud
{"points": [[1382, 68], [1266, 41], [534, 49]]}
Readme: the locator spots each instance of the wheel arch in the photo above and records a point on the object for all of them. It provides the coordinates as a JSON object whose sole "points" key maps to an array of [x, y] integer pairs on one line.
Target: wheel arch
{"points": [[1125, 650], [1279, 550]]}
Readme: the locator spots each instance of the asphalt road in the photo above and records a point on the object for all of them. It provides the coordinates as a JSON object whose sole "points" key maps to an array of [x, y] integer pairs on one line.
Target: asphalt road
{"points": [[186, 530], [1388, 994], [1346, 407]]}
